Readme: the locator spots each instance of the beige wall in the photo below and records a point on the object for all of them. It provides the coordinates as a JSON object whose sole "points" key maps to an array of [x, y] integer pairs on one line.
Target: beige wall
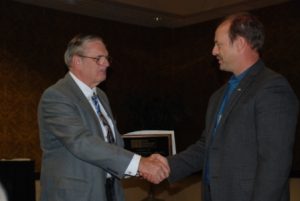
{"points": [[188, 189]]}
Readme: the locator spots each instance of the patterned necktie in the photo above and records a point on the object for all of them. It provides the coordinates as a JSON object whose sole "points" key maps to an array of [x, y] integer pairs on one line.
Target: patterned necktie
{"points": [[102, 118]]}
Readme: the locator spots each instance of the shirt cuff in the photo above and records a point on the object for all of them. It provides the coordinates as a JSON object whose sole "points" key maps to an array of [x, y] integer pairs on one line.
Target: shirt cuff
{"points": [[133, 166]]}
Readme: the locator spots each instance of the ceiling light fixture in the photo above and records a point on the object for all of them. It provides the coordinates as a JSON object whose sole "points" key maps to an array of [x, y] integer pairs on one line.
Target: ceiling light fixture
{"points": [[157, 19]]}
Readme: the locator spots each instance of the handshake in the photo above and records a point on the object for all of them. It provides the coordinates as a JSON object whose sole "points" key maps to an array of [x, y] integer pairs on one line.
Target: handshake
{"points": [[154, 168]]}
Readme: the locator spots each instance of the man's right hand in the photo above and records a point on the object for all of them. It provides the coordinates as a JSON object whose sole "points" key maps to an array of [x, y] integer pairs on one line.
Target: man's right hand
{"points": [[154, 168]]}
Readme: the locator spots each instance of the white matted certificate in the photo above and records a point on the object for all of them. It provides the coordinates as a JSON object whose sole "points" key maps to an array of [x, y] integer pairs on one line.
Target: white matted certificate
{"points": [[147, 142]]}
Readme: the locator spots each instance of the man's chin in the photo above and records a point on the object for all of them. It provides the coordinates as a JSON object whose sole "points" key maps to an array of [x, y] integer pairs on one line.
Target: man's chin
{"points": [[102, 79], [223, 68]]}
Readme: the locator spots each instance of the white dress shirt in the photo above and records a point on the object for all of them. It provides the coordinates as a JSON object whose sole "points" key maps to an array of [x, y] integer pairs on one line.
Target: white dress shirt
{"points": [[132, 168]]}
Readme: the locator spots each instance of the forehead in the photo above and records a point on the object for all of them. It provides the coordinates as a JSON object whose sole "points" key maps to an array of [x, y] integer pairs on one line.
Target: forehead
{"points": [[96, 46], [222, 31]]}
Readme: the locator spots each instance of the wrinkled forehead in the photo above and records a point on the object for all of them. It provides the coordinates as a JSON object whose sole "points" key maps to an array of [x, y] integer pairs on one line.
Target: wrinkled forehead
{"points": [[224, 27], [222, 30], [95, 45], [93, 42]]}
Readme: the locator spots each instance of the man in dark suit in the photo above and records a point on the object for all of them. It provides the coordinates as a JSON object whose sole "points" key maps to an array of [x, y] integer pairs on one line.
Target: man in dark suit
{"points": [[83, 155], [245, 150]]}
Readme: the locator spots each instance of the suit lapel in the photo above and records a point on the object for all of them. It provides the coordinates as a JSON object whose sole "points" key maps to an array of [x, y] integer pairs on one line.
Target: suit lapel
{"points": [[104, 104], [109, 113], [217, 103], [83, 102], [241, 89]]}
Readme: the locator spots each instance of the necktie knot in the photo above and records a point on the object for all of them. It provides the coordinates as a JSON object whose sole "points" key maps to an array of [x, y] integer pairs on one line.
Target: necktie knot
{"points": [[96, 103]]}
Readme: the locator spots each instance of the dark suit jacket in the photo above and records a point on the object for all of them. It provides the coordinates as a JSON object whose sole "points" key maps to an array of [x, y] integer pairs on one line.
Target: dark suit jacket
{"points": [[250, 157], [76, 159]]}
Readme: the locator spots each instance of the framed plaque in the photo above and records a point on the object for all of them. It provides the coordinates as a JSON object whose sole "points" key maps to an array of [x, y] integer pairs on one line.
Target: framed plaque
{"points": [[147, 142]]}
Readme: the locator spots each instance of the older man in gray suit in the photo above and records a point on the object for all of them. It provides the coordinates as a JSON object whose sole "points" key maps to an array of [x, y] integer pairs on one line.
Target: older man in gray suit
{"points": [[83, 155], [245, 151]]}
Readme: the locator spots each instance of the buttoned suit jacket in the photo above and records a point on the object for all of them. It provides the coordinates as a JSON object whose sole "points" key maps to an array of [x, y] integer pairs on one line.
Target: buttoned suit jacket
{"points": [[76, 158], [250, 157]]}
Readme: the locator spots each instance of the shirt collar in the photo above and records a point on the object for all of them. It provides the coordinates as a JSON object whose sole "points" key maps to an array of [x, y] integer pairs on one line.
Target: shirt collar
{"points": [[238, 78], [87, 91]]}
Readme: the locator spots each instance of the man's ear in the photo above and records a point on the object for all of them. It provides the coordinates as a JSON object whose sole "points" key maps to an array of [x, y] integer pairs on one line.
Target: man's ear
{"points": [[240, 43], [75, 60]]}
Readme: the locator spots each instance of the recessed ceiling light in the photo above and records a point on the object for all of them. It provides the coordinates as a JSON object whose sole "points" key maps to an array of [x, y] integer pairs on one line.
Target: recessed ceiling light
{"points": [[157, 18]]}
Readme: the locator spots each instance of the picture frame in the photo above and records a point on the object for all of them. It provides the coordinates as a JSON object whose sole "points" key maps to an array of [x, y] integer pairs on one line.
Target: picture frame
{"points": [[147, 142]]}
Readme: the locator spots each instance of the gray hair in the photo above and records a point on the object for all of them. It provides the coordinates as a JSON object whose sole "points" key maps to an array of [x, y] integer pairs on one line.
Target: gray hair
{"points": [[76, 46]]}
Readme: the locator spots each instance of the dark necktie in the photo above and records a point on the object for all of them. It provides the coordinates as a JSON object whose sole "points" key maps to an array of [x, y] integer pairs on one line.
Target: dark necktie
{"points": [[232, 84], [102, 118]]}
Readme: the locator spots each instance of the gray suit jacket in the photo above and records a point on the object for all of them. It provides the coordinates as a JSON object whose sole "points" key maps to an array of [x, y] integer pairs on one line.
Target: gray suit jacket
{"points": [[250, 157], [76, 159]]}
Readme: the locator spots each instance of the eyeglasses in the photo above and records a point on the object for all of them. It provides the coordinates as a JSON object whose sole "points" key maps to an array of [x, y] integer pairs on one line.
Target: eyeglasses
{"points": [[99, 59]]}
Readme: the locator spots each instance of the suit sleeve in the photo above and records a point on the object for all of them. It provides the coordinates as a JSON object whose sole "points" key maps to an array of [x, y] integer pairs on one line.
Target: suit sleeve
{"points": [[276, 116], [188, 161], [66, 125]]}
